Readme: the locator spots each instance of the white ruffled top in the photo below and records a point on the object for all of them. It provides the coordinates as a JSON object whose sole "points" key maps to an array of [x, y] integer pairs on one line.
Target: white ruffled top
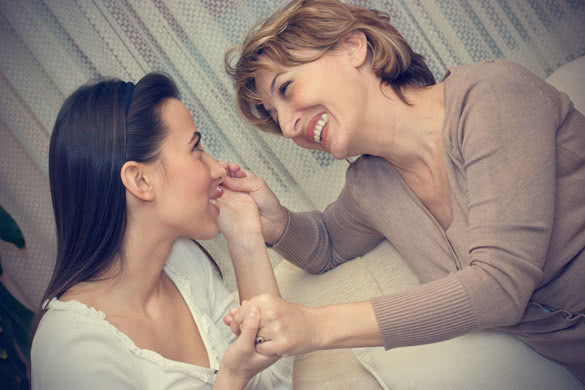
{"points": [[76, 347]]}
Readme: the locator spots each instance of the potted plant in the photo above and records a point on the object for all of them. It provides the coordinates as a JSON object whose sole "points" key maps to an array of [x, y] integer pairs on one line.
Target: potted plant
{"points": [[15, 320]]}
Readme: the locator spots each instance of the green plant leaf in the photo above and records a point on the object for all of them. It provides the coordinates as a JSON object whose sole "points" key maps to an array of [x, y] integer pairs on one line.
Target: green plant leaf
{"points": [[9, 230], [16, 320]]}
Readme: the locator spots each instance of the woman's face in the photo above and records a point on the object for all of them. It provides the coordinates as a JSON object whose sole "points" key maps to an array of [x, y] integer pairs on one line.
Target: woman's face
{"points": [[318, 104], [188, 178]]}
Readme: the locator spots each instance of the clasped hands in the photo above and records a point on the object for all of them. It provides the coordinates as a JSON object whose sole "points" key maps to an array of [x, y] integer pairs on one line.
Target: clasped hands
{"points": [[285, 328]]}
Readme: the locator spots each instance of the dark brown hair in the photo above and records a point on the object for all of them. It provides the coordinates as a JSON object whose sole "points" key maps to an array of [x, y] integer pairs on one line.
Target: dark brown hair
{"points": [[99, 127]]}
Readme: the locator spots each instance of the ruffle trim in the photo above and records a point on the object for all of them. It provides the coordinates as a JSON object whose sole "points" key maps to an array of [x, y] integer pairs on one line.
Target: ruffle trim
{"points": [[201, 320]]}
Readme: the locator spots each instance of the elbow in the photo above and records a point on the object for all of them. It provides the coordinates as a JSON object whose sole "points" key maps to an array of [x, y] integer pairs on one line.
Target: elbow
{"points": [[509, 311], [510, 315]]}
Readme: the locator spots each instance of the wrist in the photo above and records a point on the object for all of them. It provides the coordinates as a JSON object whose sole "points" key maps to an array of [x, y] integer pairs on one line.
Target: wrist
{"points": [[230, 379], [279, 228], [320, 318], [246, 245], [337, 326]]}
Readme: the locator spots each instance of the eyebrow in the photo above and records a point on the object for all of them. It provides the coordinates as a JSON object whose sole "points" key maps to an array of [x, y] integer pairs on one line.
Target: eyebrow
{"points": [[274, 82], [195, 135]]}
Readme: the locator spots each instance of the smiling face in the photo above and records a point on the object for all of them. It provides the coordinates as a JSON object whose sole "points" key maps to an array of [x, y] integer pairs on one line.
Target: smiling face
{"points": [[319, 104], [187, 179]]}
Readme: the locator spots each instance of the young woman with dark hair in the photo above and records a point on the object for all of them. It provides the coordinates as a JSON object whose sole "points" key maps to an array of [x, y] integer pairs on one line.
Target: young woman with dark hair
{"points": [[134, 301]]}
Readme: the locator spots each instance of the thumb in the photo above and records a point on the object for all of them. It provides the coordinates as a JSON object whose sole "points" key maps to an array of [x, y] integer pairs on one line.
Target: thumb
{"points": [[250, 328]]}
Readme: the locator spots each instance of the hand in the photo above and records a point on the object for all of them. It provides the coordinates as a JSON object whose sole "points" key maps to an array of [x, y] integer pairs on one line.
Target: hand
{"points": [[238, 215], [240, 360], [273, 216], [287, 328]]}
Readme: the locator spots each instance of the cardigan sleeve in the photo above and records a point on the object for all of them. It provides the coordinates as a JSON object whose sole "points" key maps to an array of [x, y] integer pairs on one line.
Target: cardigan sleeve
{"points": [[506, 139], [319, 241]]}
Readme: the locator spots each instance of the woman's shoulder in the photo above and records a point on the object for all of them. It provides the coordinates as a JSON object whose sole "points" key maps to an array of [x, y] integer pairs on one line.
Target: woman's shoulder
{"points": [[72, 343], [70, 324], [495, 74]]}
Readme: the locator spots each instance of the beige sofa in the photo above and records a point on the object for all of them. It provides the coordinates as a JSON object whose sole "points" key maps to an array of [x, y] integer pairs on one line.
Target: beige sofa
{"points": [[483, 360]]}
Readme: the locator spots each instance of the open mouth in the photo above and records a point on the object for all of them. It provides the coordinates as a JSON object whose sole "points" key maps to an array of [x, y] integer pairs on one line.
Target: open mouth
{"points": [[319, 126], [216, 194]]}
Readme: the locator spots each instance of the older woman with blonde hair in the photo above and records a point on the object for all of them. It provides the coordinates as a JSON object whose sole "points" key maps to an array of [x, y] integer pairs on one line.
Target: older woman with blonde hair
{"points": [[477, 180]]}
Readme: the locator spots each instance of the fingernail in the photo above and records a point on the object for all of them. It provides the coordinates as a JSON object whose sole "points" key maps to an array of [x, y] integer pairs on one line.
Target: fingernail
{"points": [[253, 313]]}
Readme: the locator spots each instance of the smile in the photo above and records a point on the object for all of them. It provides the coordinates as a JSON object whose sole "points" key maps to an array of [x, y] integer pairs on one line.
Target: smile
{"points": [[318, 128], [216, 194]]}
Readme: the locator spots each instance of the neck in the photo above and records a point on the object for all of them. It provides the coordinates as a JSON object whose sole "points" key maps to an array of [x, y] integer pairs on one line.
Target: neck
{"points": [[136, 280], [407, 136]]}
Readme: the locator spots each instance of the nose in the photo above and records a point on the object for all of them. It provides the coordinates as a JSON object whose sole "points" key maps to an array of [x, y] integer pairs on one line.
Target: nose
{"points": [[289, 122], [216, 170]]}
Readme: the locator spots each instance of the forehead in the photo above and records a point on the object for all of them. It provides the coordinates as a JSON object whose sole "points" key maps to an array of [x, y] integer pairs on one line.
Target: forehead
{"points": [[263, 80], [268, 68], [177, 119]]}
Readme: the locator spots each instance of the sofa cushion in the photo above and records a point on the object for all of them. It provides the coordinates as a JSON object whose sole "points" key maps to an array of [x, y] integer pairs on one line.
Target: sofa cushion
{"points": [[482, 360], [570, 79]]}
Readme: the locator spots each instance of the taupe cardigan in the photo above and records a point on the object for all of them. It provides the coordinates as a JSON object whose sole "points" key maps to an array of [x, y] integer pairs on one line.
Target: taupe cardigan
{"points": [[513, 257]]}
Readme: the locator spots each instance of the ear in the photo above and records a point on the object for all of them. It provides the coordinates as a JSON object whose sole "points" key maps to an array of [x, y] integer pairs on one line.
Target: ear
{"points": [[137, 180], [355, 44]]}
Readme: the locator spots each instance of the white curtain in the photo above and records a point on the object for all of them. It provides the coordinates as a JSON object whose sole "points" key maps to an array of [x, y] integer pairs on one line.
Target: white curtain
{"points": [[50, 47]]}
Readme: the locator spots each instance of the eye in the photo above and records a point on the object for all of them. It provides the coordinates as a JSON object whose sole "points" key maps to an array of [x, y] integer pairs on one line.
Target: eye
{"points": [[283, 88], [197, 147]]}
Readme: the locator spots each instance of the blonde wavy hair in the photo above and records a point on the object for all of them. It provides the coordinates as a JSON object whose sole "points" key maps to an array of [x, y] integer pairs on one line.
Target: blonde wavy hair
{"points": [[318, 25]]}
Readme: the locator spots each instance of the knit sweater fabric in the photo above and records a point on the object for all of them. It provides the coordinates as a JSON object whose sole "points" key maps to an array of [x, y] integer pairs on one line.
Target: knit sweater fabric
{"points": [[513, 256]]}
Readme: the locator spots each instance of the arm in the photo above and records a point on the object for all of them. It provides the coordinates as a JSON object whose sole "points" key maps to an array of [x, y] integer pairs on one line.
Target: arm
{"points": [[270, 373], [314, 241], [291, 329], [239, 221]]}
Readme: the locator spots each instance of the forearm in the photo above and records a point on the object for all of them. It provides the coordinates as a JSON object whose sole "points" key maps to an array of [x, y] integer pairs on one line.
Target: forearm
{"points": [[347, 325], [252, 267]]}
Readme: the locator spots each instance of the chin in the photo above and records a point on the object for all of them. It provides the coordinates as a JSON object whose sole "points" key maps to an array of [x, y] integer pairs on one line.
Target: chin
{"points": [[203, 232], [209, 235], [339, 154]]}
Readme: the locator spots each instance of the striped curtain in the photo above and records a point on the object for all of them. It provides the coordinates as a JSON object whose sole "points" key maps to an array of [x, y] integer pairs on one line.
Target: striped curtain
{"points": [[50, 47]]}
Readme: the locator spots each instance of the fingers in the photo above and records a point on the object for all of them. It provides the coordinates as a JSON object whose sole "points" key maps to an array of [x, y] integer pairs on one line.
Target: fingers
{"points": [[243, 182], [235, 318], [229, 316], [232, 169], [250, 329]]}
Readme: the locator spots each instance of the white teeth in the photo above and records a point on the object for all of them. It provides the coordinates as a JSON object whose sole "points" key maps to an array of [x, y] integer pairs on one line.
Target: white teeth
{"points": [[212, 201], [318, 130]]}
